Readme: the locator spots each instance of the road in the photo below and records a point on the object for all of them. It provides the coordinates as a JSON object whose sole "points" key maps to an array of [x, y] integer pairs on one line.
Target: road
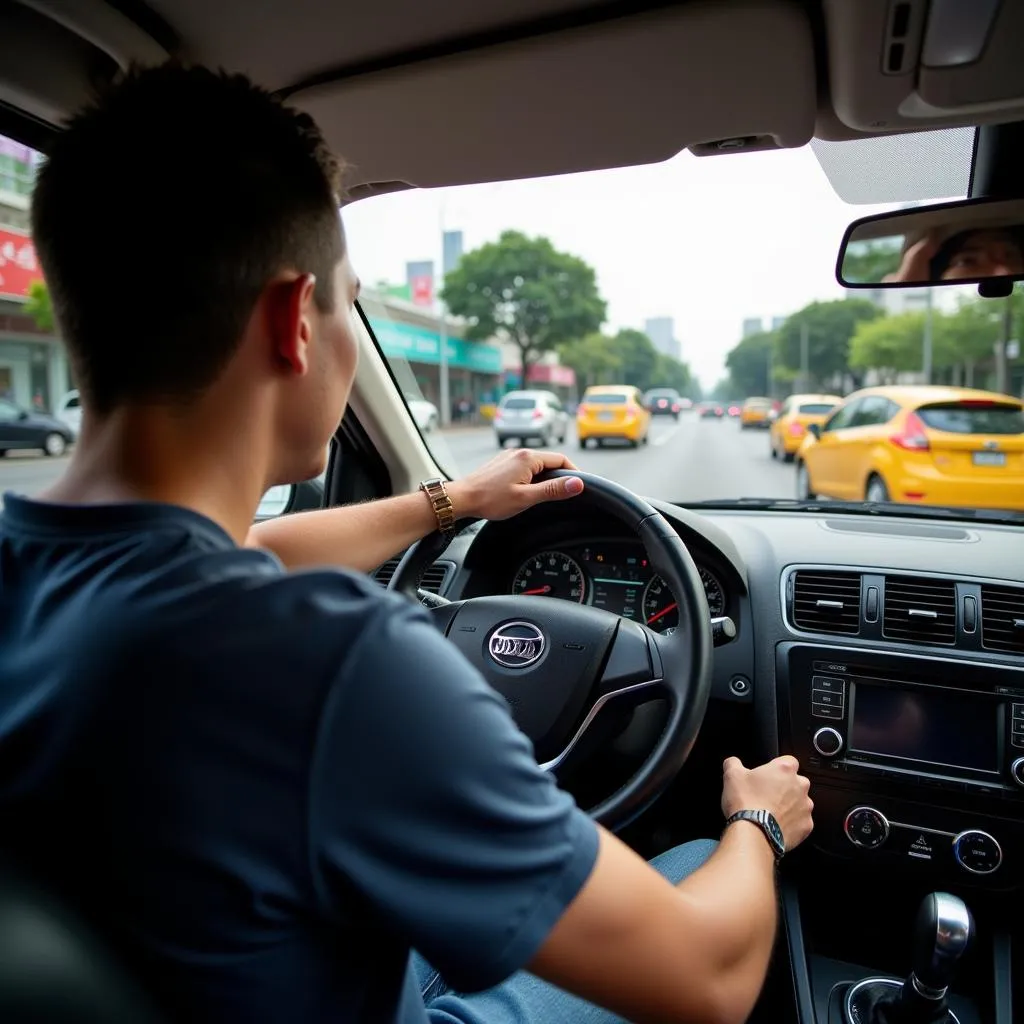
{"points": [[692, 460]]}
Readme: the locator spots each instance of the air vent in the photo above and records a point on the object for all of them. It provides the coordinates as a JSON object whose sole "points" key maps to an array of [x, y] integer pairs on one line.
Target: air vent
{"points": [[1002, 619], [433, 580], [920, 610], [827, 602]]}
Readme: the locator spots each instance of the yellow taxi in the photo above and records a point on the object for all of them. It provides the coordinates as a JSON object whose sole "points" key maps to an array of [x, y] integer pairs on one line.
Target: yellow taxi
{"points": [[755, 412], [612, 412], [925, 445], [798, 412]]}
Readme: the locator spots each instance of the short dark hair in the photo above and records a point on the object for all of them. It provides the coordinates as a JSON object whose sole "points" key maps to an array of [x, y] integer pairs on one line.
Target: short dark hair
{"points": [[160, 214]]}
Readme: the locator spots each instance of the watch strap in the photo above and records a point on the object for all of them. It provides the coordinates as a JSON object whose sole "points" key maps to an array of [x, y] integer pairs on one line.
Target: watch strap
{"points": [[441, 503], [765, 820]]}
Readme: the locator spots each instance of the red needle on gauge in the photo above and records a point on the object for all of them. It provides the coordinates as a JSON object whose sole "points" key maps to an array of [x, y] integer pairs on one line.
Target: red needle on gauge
{"points": [[664, 611], [538, 590]]}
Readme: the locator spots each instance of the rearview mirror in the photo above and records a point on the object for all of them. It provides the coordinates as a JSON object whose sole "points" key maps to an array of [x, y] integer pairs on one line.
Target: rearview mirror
{"points": [[970, 241]]}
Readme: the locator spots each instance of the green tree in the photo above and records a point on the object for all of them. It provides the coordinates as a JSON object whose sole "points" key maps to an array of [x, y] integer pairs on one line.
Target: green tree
{"points": [[671, 373], [890, 345], [639, 358], [593, 358], [869, 262], [830, 326], [39, 307], [524, 290], [749, 364]]}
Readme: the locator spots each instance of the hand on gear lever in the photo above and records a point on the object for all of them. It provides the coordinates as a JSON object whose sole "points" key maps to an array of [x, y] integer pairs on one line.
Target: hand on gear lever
{"points": [[942, 933]]}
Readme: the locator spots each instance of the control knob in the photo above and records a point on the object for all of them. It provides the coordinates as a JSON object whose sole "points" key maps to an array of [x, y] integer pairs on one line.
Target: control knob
{"points": [[1017, 771], [828, 742], [867, 828], [977, 852]]}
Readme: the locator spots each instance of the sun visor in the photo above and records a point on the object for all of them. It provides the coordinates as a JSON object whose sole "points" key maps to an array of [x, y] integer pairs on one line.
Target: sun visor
{"points": [[630, 91], [906, 65]]}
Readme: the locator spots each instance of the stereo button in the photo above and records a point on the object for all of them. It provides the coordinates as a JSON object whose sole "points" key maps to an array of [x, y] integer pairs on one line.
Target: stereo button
{"points": [[828, 697], [827, 742], [831, 683], [977, 852], [827, 711], [867, 828], [1018, 711]]}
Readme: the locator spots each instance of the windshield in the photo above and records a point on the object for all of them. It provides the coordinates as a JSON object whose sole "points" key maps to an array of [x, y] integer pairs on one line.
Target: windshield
{"points": [[518, 403], [710, 281]]}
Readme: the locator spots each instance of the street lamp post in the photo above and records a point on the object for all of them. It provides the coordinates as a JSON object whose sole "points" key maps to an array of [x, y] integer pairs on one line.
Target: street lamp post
{"points": [[442, 331], [926, 355]]}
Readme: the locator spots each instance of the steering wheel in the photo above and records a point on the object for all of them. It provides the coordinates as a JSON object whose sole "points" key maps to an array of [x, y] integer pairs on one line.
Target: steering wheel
{"points": [[558, 664]]}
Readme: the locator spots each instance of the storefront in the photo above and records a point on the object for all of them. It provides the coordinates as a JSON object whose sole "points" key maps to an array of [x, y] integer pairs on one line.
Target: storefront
{"points": [[547, 375], [414, 350]]}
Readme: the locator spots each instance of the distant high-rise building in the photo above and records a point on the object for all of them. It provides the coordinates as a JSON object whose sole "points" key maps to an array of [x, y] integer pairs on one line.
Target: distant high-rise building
{"points": [[661, 330], [777, 322], [752, 325]]}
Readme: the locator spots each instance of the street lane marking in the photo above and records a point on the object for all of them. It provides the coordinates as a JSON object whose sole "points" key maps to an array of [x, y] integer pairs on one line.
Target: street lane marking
{"points": [[665, 438]]}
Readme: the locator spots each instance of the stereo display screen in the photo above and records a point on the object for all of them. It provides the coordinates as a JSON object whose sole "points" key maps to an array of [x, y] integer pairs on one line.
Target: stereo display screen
{"points": [[940, 727]]}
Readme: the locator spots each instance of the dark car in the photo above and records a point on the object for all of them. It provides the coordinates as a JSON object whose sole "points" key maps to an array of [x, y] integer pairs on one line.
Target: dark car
{"points": [[707, 410], [663, 402], [24, 430]]}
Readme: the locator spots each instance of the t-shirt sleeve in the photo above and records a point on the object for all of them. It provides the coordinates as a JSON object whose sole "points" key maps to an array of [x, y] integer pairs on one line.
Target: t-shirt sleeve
{"points": [[427, 801]]}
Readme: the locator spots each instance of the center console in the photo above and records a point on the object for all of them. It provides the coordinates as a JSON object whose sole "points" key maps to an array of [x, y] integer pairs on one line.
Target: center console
{"points": [[917, 760], [917, 771]]}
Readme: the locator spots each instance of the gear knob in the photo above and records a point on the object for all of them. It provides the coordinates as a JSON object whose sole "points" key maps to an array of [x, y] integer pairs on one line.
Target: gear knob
{"points": [[942, 933]]}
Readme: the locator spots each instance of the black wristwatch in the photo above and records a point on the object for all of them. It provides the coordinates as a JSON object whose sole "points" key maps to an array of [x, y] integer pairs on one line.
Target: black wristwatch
{"points": [[765, 820]]}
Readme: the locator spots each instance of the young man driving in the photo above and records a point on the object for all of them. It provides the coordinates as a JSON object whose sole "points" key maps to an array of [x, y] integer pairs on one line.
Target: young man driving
{"points": [[270, 786]]}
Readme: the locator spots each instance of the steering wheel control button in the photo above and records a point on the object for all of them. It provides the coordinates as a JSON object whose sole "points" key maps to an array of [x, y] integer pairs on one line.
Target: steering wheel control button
{"points": [[517, 645], [1017, 771], [739, 686], [977, 852], [629, 660], [827, 742], [866, 828]]}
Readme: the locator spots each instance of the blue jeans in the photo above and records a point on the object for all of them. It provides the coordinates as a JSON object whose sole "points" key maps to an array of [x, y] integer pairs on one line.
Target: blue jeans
{"points": [[524, 998]]}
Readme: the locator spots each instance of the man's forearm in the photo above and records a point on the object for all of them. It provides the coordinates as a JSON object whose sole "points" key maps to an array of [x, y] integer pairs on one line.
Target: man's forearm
{"points": [[358, 537], [741, 911]]}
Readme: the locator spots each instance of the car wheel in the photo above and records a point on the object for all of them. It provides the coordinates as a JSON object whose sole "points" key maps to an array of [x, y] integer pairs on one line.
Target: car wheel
{"points": [[876, 489], [803, 483], [788, 456], [55, 445]]}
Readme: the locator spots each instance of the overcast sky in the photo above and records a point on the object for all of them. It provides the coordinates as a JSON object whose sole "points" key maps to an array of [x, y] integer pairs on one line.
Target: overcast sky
{"points": [[707, 241]]}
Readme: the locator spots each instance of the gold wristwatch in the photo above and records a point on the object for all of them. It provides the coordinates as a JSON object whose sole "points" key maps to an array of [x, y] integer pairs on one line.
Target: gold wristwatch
{"points": [[441, 503]]}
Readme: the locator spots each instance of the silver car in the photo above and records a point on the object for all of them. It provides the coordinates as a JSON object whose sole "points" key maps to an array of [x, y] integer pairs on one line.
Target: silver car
{"points": [[531, 416]]}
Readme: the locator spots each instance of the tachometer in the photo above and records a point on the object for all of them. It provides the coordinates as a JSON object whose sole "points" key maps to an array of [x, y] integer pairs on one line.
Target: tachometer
{"points": [[660, 609], [551, 574]]}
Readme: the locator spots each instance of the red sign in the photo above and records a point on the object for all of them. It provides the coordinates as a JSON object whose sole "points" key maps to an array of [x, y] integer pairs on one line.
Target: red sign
{"points": [[422, 289], [18, 264], [545, 373]]}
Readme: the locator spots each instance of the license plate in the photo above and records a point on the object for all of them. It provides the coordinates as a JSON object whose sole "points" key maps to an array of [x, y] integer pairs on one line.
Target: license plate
{"points": [[606, 417], [989, 458]]}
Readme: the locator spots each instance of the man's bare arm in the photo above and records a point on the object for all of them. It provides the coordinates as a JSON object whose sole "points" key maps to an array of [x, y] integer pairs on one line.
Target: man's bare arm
{"points": [[361, 537], [697, 952]]}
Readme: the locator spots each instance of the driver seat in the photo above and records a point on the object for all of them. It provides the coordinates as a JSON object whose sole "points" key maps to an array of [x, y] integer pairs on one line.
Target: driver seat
{"points": [[53, 970]]}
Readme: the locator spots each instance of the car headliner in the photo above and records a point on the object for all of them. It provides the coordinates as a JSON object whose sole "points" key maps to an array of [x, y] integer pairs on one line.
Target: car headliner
{"points": [[458, 91]]}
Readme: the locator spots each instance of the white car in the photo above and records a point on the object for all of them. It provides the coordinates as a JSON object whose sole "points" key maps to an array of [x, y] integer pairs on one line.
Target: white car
{"points": [[423, 412], [69, 412], [531, 416]]}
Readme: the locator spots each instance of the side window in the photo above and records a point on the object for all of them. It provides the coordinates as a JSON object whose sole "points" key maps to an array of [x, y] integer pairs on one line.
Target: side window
{"points": [[8, 411], [843, 417], [873, 411]]}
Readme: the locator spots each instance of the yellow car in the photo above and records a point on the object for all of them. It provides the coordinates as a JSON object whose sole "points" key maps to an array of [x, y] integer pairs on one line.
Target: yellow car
{"points": [[798, 413], [924, 445], [612, 412], [756, 412]]}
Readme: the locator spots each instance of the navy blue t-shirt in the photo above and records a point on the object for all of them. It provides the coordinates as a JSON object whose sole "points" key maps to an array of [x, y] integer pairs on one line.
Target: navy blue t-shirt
{"points": [[267, 786]]}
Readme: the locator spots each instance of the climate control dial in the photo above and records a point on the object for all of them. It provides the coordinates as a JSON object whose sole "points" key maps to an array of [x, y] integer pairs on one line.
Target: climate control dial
{"points": [[827, 741], [866, 828], [977, 852]]}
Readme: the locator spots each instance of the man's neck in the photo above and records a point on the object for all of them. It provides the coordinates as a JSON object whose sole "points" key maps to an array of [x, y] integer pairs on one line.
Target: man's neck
{"points": [[152, 455]]}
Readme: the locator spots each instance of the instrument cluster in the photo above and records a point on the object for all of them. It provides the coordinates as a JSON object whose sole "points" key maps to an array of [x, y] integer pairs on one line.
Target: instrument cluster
{"points": [[615, 576]]}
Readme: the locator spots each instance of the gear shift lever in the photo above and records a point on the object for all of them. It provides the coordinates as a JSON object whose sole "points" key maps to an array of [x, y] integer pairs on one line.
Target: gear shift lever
{"points": [[942, 933]]}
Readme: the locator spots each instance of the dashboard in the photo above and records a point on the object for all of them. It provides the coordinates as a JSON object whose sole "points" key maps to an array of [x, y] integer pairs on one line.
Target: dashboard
{"points": [[844, 623], [613, 575]]}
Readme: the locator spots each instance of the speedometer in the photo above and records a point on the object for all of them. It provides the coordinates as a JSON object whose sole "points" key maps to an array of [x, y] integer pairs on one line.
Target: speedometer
{"points": [[551, 574], [661, 612]]}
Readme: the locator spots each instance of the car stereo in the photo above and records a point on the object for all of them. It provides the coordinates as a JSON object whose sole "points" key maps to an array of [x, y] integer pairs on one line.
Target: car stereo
{"points": [[940, 722]]}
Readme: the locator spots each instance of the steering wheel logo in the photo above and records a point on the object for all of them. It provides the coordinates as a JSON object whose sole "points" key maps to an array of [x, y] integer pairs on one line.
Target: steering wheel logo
{"points": [[517, 645]]}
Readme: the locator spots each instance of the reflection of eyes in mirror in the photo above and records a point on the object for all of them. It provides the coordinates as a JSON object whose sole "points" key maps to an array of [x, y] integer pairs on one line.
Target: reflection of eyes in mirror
{"points": [[956, 242]]}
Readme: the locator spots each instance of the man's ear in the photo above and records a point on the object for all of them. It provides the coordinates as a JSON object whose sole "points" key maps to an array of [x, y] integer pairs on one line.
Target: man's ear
{"points": [[291, 313]]}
